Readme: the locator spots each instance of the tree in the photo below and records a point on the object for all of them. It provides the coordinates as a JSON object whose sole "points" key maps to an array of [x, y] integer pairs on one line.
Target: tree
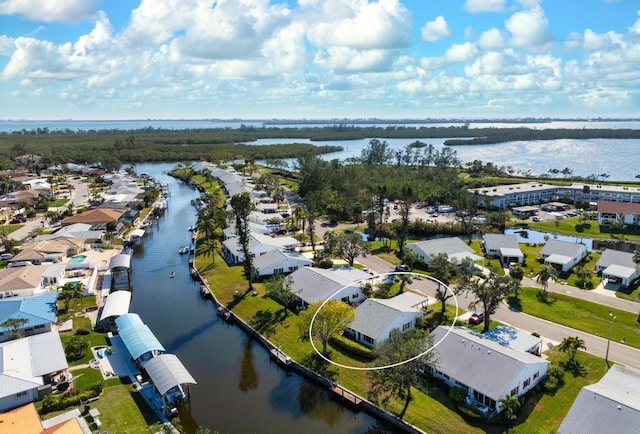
{"points": [[350, 246], [70, 292], [571, 346], [511, 404], [76, 347], [332, 320], [242, 206], [443, 270], [516, 271], [376, 153], [209, 247], [583, 277], [279, 288], [489, 293], [14, 324], [636, 258], [398, 380], [545, 274]]}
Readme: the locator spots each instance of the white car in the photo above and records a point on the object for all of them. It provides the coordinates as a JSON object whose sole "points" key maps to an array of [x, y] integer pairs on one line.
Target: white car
{"points": [[535, 218]]}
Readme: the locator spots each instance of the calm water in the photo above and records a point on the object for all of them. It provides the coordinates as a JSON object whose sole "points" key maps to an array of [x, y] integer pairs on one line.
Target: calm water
{"points": [[239, 390]]}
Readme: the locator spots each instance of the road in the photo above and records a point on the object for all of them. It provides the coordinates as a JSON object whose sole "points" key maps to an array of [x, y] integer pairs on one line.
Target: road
{"points": [[551, 332]]}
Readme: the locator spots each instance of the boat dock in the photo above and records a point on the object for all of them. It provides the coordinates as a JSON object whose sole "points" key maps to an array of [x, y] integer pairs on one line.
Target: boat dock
{"points": [[280, 357], [345, 395]]}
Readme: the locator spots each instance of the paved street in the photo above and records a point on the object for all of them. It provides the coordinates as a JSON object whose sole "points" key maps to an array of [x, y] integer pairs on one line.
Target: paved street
{"points": [[552, 332]]}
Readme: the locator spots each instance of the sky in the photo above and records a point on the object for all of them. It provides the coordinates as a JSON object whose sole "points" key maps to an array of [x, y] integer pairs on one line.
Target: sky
{"points": [[318, 59]]}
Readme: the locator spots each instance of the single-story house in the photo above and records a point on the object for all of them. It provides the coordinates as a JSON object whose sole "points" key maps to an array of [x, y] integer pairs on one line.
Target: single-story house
{"points": [[22, 281], [280, 261], [95, 216], [39, 311], [563, 255], [84, 231], [26, 420], [487, 369], [611, 405], [259, 245], [51, 250], [505, 247], [617, 267], [313, 284], [627, 213], [27, 366], [116, 304], [525, 211], [376, 318], [453, 247]]}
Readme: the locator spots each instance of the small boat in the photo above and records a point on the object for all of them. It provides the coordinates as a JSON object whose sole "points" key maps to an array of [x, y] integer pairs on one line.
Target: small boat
{"points": [[172, 275], [183, 250], [191, 228]]}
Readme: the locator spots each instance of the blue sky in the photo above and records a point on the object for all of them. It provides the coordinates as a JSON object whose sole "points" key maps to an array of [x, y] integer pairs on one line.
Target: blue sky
{"points": [[122, 59]]}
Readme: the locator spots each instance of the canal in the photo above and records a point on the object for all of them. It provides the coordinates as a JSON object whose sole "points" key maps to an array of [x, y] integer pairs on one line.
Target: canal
{"points": [[239, 389]]}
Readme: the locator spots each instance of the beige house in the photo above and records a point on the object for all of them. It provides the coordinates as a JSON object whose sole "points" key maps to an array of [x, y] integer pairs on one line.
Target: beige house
{"points": [[21, 281], [54, 250]]}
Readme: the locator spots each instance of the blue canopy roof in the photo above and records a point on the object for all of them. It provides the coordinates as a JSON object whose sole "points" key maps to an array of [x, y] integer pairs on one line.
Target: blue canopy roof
{"points": [[137, 336]]}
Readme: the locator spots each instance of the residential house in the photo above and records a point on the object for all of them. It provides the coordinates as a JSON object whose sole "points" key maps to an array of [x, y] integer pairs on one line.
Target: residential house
{"points": [[98, 216], [516, 339], [26, 420], [618, 212], [280, 261], [488, 370], [49, 251], [376, 318], [39, 311], [27, 366], [504, 247], [453, 247], [563, 255], [618, 268], [22, 281], [89, 233], [318, 284], [612, 405], [259, 245]]}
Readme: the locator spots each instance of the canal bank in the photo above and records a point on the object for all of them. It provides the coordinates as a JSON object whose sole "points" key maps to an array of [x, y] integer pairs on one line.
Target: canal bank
{"points": [[240, 389]]}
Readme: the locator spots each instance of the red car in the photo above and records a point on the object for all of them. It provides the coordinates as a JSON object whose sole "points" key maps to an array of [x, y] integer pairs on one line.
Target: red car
{"points": [[476, 318]]}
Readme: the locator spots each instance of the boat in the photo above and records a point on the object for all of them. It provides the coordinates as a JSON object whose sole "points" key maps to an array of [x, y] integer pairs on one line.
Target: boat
{"points": [[191, 228], [172, 275], [183, 250]]}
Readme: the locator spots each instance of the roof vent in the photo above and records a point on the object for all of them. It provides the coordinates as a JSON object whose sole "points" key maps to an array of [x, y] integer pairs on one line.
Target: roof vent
{"points": [[619, 407], [489, 352]]}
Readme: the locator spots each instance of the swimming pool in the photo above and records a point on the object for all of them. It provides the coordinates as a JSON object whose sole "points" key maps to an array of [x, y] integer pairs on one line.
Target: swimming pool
{"points": [[77, 258]]}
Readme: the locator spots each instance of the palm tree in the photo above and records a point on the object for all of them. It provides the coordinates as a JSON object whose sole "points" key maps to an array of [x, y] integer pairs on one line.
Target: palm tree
{"points": [[210, 245], [545, 274], [571, 346], [636, 258], [511, 405]]}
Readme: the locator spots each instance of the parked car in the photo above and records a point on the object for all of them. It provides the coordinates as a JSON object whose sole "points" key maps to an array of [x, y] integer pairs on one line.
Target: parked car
{"points": [[535, 218], [476, 318], [6, 256], [402, 267]]}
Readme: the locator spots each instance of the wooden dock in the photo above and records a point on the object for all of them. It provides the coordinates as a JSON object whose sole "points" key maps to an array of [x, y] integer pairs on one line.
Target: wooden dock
{"points": [[345, 395], [280, 357]]}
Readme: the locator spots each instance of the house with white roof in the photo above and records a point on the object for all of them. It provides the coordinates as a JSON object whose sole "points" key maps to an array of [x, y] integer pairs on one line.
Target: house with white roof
{"points": [[453, 247], [318, 284], [280, 261], [39, 311], [488, 370], [563, 255], [505, 247], [27, 366], [259, 245], [617, 267], [376, 318], [612, 405]]}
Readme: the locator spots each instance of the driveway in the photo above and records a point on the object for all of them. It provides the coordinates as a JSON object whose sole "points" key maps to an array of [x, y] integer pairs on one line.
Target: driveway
{"points": [[26, 229]]}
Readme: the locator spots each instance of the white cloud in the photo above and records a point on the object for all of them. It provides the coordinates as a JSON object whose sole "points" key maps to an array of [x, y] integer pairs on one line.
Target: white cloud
{"points": [[6, 45], [528, 28], [67, 11], [435, 30], [491, 39], [476, 6], [344, 59], [460, 53], [635, 28]]}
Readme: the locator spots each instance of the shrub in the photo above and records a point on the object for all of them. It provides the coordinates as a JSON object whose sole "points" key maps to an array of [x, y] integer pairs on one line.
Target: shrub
{"points": [[555, 378], [353, 347], [325, 263], [61, 402], [458, 394], [82, 331]]}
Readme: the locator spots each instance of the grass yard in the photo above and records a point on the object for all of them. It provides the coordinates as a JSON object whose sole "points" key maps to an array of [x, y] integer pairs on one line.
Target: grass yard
{"points": [[543, 413], [574, 227], [581, 314], [93, 338], [124, 410]]}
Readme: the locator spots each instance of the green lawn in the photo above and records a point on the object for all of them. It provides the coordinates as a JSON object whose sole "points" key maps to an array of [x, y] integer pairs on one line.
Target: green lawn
{"points": [[574, 227], [582, 315], [58, 203], [122, 409], [93, 338]]}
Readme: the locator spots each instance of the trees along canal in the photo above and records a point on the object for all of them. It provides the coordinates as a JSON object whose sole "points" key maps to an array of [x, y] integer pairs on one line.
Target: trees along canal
{"points": [[242, 206]]}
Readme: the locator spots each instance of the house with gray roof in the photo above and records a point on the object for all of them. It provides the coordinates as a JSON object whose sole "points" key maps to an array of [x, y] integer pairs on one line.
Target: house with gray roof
{"points": [[612, 405], [617, 267], [38, 310], [318, 284], [259, 245], [280, 261], [27, 366], [488, 370], [505, 247], [376, 318], [453, 247], [563, 255]]}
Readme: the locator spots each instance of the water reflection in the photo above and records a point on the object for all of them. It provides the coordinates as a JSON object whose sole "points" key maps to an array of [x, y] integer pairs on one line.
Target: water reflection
{"points": [[248, 374]]}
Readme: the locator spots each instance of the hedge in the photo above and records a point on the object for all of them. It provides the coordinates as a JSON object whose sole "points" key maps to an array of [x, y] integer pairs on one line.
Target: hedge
{"points": [[352, 347], [64, 401]]}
